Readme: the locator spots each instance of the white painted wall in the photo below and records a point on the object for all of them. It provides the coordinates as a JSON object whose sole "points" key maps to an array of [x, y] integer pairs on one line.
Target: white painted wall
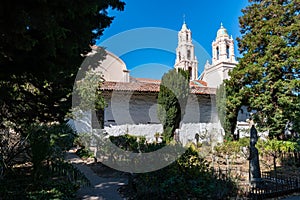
{"points": [[135, 114]]}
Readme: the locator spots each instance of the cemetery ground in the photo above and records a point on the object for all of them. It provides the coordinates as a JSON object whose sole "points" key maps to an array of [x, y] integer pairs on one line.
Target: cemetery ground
{"points": [[227, 165], [228, 162]]}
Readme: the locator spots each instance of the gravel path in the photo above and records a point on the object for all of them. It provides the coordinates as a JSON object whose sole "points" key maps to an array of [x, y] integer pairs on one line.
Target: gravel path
{"points": [[101, 188]]}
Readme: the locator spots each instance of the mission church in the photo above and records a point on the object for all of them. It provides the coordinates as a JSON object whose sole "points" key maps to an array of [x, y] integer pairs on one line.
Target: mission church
{"points": [[132, 101]]}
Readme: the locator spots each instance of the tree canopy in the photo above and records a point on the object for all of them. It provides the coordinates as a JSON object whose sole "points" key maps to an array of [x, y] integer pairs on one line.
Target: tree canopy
{"points": [[267, 77], [172, 98], [41, 48]]}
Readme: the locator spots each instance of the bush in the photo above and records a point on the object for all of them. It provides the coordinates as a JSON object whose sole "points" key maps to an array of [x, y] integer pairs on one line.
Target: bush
{"points": [[49, 143], [50, 177], [85, 153], [187, 178], [135, 143], [61, 181], [232, 147]]}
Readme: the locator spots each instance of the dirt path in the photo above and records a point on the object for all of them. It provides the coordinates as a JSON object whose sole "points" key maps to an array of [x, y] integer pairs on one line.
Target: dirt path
{"points": [[102, 188]]}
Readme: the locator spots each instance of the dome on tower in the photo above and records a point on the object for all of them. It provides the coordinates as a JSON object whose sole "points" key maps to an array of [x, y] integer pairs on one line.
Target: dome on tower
{"points": [[222, 31]]}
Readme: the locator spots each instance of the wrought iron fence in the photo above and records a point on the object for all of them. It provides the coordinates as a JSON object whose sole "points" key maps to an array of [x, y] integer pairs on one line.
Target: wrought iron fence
{"points": [[274, 185]]}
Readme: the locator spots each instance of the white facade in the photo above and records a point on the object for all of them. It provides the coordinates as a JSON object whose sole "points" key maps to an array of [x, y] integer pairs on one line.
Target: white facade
{"points": [[185, 53], [113, 68], [223, 59]]}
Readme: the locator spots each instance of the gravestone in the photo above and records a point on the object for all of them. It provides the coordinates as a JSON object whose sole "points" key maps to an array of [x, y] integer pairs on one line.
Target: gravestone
{"points": [[254, 169]]}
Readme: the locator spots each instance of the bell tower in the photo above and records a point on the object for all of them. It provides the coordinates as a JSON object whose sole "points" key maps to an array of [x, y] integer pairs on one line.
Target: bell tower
{"points": [[223, 59], [185, 53], [223, 47]]}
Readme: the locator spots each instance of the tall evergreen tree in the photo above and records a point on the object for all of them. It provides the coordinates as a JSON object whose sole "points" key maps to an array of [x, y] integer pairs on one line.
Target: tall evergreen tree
{"points": [[41, 43], [227, 119], [172, 99], [267, 77]]}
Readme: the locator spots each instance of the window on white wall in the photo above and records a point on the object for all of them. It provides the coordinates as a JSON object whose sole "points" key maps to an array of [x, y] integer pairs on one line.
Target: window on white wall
{"points": [[227, 51], [188, 54]]}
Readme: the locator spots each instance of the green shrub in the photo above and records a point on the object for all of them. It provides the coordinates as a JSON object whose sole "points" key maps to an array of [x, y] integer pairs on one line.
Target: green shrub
{"points": [[51, 177], [134, 143], [85, 153], [49, 143], [61, 181], [232, 147], [187, 178]]}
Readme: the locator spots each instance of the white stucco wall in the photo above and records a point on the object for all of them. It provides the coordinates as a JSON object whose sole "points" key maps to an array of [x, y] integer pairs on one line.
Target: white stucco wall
{"points": [[130, 108], [141, 108], [135, 114]]}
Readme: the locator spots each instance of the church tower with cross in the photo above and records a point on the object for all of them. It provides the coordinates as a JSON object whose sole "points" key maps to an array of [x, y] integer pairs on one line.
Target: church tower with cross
{"points": [[185, 53], [223, 59]]}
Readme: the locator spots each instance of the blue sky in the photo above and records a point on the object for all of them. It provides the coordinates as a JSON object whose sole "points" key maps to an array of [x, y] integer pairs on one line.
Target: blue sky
{"points": [[150, 52]]}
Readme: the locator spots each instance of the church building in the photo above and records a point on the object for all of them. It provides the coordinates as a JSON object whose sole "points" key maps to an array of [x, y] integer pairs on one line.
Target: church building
{"points": [[132, 101]]}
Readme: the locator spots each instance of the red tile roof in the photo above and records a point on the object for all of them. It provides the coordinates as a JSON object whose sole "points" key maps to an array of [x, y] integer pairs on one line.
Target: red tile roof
{"points": [[146, 80], [146, 85], [197, 82], [131, 86]]}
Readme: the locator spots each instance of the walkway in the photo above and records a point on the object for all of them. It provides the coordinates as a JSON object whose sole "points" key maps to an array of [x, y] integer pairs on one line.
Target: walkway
{"points": [[292, 197], [101, 188]]}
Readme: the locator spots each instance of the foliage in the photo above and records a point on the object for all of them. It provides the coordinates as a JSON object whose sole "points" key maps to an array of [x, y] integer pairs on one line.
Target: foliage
{"points": [[11, 146], [84, 153], [40, 53], [221, 108], [42, 46], [232, 147], [172, 98], [49, 177], [275, 146], [135, 144], [88, 92], [61, 181], [48, 143], [87, 95], [264, 147], [187, 178], [267, 77]]}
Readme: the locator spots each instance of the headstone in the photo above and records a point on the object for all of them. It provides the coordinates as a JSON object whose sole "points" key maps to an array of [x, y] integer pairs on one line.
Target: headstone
{"points": [[254, 169], [197, 136]]}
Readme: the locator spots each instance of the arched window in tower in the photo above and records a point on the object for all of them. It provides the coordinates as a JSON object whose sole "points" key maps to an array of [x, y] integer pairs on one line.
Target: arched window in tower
{"points": [[179, 56], [187, 37], [227, 51], [218, 53], [190, 72], [188, 54]]}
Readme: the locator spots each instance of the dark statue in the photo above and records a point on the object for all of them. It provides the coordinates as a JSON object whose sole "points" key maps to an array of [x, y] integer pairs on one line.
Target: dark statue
{"points": [[254, 169]]}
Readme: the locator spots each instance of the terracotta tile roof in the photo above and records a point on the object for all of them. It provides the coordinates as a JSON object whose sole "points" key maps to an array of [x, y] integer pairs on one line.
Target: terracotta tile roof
{"points": [[197, 82], [141, 86], [131, 86], [146, 80]]}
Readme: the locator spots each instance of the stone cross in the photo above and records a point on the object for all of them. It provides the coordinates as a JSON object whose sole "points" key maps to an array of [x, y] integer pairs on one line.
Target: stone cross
{"points": [[254, 169]]}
